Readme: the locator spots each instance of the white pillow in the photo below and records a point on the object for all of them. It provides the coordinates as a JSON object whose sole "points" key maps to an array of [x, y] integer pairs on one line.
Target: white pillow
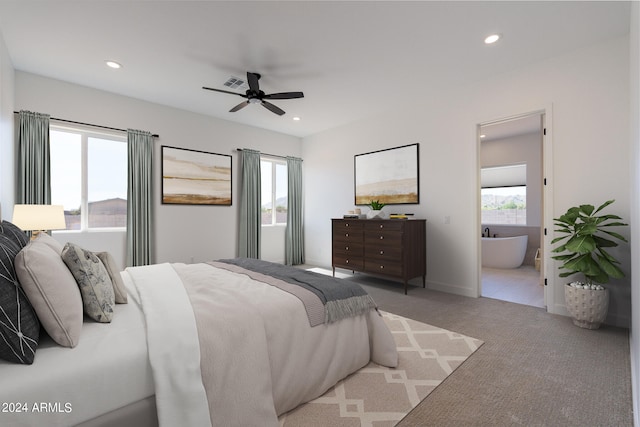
{"points": [[52, 291]]}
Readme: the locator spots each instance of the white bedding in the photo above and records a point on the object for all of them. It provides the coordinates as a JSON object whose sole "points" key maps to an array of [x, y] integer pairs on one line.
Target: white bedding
{"points": [[107, 370], [260, 357], [110, 367]]}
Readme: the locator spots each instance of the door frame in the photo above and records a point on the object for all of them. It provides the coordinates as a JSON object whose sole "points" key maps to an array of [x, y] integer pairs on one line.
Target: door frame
{"points": [[547, 267]]}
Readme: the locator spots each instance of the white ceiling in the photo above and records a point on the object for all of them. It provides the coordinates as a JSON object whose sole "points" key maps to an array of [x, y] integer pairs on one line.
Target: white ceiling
{"points": [[351, 59]]}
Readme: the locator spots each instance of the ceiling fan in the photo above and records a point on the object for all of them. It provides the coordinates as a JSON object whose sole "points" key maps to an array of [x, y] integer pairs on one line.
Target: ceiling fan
{"points": [[255, 96]]}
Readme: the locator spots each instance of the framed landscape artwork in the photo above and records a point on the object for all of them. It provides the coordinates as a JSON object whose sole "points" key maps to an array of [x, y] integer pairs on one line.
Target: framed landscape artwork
{"points": [[191, 177], [389, 176]]}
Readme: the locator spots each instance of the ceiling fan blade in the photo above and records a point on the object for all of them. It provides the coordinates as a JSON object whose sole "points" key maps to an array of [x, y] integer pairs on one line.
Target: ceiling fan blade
{"points": [[252, 79], [225, 91], [239, 106], [284, 95], [269, 106]]}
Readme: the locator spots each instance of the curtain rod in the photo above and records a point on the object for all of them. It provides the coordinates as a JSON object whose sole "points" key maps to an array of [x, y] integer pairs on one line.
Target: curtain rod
{"points": [[89, 124], [267, 154]]}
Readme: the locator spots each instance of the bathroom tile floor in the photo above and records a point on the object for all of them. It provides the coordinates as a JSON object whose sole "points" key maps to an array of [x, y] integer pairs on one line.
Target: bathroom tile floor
{"points": [[519, 285]]}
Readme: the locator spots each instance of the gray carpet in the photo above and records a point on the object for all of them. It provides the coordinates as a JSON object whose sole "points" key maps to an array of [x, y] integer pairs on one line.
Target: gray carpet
{"points": [[535, 369]]}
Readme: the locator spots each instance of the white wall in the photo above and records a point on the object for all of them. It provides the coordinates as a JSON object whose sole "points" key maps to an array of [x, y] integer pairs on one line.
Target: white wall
{"points": [[585, 96], [634, 73], [7, 153], [519, 149], [182, 233]]}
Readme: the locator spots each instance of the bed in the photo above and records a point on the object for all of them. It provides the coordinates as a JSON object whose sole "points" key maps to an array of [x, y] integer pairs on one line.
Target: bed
{"points": [[200, 344]]}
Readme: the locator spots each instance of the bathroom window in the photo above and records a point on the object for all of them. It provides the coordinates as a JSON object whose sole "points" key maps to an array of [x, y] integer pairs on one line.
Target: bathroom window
{"points": [[504, 195]]}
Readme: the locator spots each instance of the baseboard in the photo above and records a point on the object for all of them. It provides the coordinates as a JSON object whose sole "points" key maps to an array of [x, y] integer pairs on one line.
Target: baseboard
{"points": [[452, 289], [611, 320]]}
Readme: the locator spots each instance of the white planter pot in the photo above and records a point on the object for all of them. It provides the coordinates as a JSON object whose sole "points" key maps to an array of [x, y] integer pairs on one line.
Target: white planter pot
{"points": [[587, 307], [376, 214]]}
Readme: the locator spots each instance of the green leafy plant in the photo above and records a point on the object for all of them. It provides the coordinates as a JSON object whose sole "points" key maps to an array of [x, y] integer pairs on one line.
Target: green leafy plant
{"points": [[586, 236], [376, 205]]}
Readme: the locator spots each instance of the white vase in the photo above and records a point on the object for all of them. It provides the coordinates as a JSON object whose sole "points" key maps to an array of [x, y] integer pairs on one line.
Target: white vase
{"points": [[587, 307], [376, 214]]}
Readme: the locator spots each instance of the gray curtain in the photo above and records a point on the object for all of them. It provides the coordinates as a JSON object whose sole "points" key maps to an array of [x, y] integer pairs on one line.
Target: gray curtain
{"points": [[34, 173], [250, 205], [294, 237], [139, 197]]}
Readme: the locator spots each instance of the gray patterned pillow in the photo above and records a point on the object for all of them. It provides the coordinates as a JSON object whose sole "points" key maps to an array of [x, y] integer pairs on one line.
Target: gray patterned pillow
{"points": [[19, 325], [14, 233], [94, 282]]}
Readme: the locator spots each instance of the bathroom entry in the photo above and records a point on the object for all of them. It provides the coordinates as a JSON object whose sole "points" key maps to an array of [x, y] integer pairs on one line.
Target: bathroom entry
{"points": [[511, 206]]}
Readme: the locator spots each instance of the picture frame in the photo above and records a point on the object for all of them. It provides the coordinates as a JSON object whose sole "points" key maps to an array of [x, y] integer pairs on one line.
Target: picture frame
{"points": [[390, 176], [192, 177]]}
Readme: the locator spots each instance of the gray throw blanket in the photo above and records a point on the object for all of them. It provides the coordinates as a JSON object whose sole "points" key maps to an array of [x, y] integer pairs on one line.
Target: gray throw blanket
{"points": [[341, 298]]}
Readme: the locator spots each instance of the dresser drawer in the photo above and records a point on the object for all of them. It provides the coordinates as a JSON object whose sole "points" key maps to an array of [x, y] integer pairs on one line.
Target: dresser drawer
{"points": [[384, 253], [373, 225], [348, 248], [383, 238], [390, 268], [345, 226], [349, 262]]}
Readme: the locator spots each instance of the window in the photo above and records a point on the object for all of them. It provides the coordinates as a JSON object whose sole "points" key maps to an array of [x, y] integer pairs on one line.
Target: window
{"points": [[274, 191], [89, 178], [504, 195]]}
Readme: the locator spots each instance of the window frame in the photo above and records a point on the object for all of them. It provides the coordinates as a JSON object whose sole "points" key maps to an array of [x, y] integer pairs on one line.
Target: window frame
{"points": [[87, 132], [273, 161]]}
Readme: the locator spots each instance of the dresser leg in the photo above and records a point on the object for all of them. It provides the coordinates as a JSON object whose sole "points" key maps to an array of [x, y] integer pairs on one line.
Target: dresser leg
{"points": [[405, 287], [424, 281], [334, 271]]}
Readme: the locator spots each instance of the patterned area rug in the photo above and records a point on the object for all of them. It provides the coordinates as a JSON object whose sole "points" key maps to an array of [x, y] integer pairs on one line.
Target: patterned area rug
{"points": [[379, 396]]}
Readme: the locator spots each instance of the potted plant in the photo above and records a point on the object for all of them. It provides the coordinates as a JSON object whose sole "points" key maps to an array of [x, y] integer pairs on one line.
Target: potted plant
{"points": [[376, 210], [585, 240]]}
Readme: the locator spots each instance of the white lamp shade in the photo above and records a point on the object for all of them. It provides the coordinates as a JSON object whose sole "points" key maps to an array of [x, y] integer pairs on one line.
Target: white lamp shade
{"points": [[39, 217]]}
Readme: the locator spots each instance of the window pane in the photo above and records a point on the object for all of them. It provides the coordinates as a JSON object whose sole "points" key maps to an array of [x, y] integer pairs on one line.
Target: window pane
{"points": [[267, 185], [281, 193], [504, 205], [106, 183], [66, 175]]}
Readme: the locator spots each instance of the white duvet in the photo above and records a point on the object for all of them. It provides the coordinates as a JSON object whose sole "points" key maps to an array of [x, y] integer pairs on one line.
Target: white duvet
{"points": [[227, 350]]}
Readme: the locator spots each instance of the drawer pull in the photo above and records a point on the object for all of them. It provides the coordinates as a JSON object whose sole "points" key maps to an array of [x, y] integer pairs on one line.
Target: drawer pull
{"points": [[381, 267], [381, 225], [346, 234], [381, 237], [347, 261], [347, 224], [346, 248], [381, 252]]}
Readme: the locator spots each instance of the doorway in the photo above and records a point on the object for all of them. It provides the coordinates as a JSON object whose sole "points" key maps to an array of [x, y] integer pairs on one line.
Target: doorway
{"points": [[511, 161]]}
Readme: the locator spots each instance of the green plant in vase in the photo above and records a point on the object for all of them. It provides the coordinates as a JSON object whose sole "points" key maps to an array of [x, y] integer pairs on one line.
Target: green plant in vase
{"points": [[586, 237], [376, 209]]}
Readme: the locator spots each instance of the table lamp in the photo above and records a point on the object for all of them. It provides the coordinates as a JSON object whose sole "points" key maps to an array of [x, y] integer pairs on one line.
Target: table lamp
{"points": [[39, 218]]}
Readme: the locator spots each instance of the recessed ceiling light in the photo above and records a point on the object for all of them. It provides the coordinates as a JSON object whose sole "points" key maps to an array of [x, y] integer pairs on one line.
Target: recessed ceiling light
{"points": [[483, 136], [296, 119], [113, 64], [492, 38]]}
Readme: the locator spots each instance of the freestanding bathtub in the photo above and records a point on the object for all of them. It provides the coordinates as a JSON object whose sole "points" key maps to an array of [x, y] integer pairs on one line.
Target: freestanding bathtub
{"points": [[504, 252]]}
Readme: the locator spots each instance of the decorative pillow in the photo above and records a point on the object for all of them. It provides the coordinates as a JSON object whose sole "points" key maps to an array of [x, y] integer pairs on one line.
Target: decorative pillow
{"points": [[14, 233], [49, 241], [94, 282], [114, 274], [19, 325], [52, 290]]}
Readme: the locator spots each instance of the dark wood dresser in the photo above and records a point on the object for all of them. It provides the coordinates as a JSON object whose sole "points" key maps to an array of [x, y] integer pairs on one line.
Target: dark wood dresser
{"points": [[391, 248]]}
